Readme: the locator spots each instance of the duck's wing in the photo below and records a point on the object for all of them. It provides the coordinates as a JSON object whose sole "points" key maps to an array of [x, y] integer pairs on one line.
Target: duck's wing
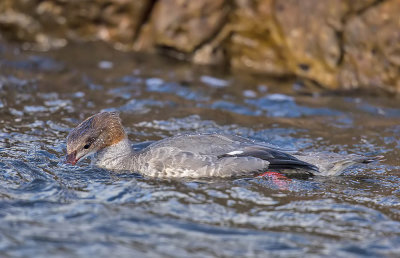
{"points": [[210, 144], [163, 161], [232, 152], [277, 159]]}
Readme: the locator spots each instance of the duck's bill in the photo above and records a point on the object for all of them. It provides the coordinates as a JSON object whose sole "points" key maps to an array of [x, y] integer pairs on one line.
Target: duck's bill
{"points": [[71, 158]]}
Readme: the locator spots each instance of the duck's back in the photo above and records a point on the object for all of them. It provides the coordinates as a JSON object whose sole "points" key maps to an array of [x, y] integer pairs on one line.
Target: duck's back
{"points": [[205, 155], [209, 144]]}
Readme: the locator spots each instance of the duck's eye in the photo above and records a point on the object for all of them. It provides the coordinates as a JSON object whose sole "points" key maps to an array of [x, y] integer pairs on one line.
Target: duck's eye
{"points": [[89, 142]]}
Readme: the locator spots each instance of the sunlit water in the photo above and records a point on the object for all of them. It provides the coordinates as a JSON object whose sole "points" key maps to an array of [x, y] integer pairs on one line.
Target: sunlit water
{"points": [[50, 209]]}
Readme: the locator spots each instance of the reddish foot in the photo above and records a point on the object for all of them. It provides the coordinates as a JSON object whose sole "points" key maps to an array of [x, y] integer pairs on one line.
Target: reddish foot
{"points": [[278, 179], [273, 174]]}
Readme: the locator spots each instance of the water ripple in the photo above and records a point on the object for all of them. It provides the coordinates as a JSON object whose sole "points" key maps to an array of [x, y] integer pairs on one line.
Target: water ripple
{"points": [[48, 208]]}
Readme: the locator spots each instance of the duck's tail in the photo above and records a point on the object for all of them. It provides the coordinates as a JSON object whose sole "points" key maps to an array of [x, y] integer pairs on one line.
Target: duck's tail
{"points": [[332, 164]]}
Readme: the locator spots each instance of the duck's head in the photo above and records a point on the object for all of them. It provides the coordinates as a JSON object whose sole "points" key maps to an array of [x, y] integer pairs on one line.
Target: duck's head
{"points": [[94, 134]]}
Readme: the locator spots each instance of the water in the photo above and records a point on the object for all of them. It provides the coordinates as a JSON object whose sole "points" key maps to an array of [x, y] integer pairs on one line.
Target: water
{"points": [[48, 208]]}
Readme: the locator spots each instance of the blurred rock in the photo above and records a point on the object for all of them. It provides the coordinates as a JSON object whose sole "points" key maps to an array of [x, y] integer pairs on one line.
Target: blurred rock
{"points": [[337, 44], [49, 22], [255, 41], [372, 48], [309, 30], [184, 24]]}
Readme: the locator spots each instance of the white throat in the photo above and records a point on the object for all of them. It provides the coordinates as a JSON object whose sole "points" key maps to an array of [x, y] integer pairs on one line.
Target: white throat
{"points": [[114, 156]]}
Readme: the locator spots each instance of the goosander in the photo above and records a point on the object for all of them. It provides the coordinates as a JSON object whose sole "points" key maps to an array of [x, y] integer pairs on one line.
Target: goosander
{"points": [[103, 137]]}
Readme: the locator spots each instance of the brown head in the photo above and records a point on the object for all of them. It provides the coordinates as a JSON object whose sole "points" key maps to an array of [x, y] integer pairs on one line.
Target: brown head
{"points": [[94, 134]]}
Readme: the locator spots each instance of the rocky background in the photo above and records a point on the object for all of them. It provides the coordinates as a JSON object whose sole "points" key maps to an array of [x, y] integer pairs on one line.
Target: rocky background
{"points": [[338, 44]]}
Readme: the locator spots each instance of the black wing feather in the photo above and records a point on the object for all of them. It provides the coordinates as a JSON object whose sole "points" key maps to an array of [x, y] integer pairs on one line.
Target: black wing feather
{"points": [[277, 159]]}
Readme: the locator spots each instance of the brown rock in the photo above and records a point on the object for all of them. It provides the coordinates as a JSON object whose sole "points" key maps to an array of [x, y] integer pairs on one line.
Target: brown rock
{"points": [[109, 20], [309, 29], [372, 48], [184, 24], [288, 37], [339, 44], [255, 41]]}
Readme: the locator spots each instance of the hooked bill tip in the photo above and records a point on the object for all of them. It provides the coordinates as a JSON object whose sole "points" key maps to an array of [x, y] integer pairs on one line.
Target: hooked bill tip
{"points": [[71, 158]]}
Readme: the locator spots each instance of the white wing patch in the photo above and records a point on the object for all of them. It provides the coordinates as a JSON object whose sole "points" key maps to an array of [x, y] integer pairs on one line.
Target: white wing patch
{"points": [[235, 152]]}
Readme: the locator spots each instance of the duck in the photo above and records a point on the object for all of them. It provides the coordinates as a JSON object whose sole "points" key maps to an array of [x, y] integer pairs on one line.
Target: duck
{"points": [[103, 138]]}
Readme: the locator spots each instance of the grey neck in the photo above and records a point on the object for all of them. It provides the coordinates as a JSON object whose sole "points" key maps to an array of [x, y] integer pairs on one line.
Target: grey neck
{"points": [[119, 156]]}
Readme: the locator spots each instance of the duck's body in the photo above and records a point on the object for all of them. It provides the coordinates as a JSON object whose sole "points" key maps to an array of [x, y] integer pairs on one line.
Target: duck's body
{"points": [[200, 155]]}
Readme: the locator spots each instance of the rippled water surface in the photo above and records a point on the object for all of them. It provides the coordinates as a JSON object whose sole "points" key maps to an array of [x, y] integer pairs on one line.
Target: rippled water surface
{"points": [[48, 208]]}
